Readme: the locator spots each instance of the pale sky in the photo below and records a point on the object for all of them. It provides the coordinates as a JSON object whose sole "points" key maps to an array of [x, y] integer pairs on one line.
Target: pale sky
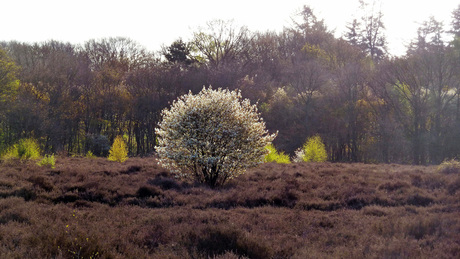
{"points": [[155, 23]]}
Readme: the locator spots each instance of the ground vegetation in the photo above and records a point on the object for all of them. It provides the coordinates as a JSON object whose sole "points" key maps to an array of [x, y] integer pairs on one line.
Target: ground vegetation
{"points": [[94, 208]]}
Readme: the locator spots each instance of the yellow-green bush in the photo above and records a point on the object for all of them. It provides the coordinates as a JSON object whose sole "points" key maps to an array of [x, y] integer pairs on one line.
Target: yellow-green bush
{"points": [[25, 149], [119, 151], [48, 160], [275, 156], [90, 155], [313, 150]]}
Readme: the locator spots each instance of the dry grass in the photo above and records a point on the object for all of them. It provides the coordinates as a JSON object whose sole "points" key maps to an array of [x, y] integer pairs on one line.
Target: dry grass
{"points": [[94, 208]]}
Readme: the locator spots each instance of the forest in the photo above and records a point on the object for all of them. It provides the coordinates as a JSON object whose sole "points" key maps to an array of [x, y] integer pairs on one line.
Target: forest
{"points": [[367, 105]]}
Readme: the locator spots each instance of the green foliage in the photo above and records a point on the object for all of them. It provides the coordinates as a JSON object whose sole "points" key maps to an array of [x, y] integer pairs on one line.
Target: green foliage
{"points": [[28, 149], [404, 94], [48, 160], [8, 81], [313, 150], [275, 156], [315, 51], [90, 155], [25, 149], [178, 52], [8, 89], [119, 151]]}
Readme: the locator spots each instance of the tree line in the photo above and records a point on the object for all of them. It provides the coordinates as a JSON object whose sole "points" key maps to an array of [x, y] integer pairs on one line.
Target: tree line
{"points": [[366, 105]]}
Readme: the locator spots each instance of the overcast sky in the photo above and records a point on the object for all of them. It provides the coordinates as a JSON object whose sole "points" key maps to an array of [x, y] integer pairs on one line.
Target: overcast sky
{"points": [[154, 23]]}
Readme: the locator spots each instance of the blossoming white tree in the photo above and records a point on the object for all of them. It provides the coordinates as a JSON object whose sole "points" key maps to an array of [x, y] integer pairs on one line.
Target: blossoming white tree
{"points": [[212, 136]]}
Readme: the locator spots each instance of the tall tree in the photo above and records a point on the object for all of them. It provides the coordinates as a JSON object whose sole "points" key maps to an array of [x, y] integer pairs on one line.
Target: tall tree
{"points": [[111, 61], [456, 22], [8, 79], [353, 35], [369, 32], [439, 72], [407, 93], [223, 48], [8, 88], [429, 35], [178, 52], [346, 92]]}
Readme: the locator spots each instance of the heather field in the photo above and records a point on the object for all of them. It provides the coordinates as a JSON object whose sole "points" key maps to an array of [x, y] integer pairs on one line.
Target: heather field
{"points": [[94, 208]]}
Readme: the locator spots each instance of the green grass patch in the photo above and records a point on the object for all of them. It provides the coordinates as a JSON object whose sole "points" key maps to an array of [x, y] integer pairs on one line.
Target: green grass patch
{"points": [[275, 156]]}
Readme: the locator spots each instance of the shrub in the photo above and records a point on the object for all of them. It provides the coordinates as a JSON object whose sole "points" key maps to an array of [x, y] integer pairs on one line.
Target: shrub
{"points": [[298, 155], [449, 167], [275, 156], [90, 155], [212, 136], [25, 149], [118, 152], [312, 151], [48, 161]]}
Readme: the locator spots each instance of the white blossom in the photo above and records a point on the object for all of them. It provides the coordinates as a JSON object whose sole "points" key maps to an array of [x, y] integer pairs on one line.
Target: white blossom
{"points": [[212, 136], [299, 154]]}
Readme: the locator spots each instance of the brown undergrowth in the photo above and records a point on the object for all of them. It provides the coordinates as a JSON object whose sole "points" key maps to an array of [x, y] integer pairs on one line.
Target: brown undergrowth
{"points": [[94, 208]]}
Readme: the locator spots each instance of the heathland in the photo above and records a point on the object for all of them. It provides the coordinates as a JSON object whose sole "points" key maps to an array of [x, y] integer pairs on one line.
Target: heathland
{"points": [[95, 208]]}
